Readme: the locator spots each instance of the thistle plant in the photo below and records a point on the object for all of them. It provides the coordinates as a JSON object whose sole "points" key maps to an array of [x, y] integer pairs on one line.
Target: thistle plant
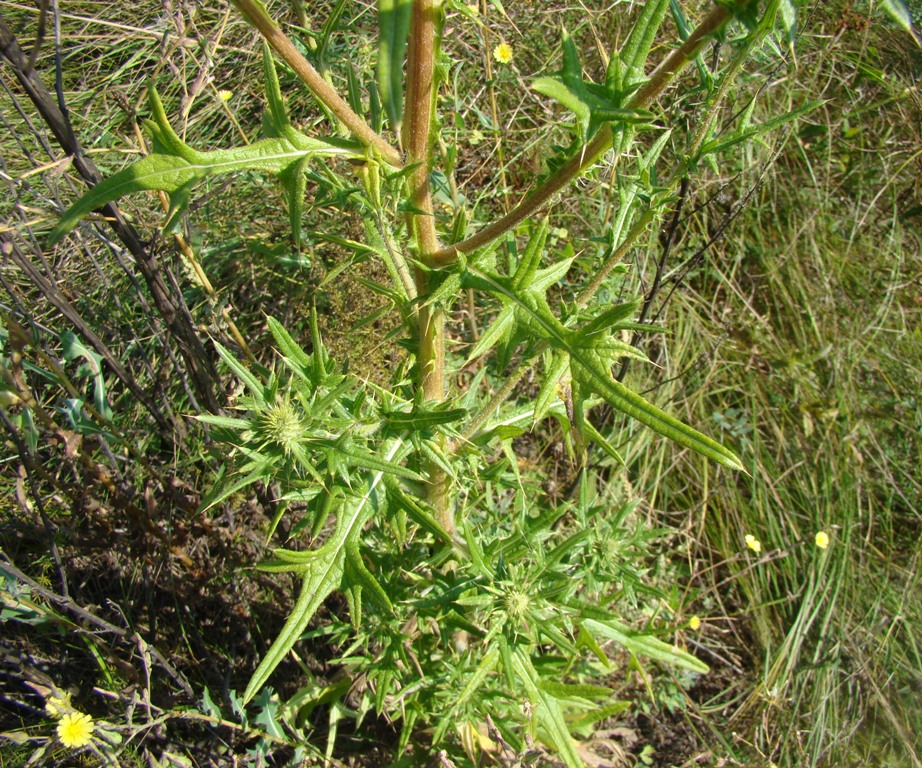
{"points": [[472, 597]]}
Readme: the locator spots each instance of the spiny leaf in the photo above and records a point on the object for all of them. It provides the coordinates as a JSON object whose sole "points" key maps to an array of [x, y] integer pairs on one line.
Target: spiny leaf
{"points": [[174, 166], [219, 493], [275, 120], [528, 266], [643, 33], [554, 371], [788, 10], [287, 345], [224, 421], [599, 439], [256, 387], [484, 668], [179, 200], [643, 645], [745, 11], [294, 181], [610, 318], [573, 691], [590, 373], [719, 145], [500, 330], [418, 511], [361, 458], [547, 713], [592, 103], [359, 574], [323, 576], [419, 419], [897, 10], [610, 710], [324, 571]]}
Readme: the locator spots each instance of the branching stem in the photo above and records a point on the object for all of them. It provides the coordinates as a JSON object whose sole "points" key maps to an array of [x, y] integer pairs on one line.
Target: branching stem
{"points": [[596, 149], [642, 99], [322, 90]]}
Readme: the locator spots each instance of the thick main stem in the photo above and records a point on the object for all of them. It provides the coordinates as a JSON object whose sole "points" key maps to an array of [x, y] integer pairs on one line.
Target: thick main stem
{"points": [[417, 124], [419, 100]]}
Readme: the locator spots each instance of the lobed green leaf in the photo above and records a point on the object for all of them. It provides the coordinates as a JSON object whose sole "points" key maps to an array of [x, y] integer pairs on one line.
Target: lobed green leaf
{"points": [[643, 645], [174, 167]]}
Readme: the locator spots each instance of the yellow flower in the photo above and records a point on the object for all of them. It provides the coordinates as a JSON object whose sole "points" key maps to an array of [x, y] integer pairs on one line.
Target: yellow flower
{"points": [[75, 729], [753, 543], [821, 539], [225, 95], [694, 623], [503, 53]]}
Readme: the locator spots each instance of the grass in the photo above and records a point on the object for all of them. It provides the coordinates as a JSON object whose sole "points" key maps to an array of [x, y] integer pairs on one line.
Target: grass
{"points": [[810, 296], [795, 337]]}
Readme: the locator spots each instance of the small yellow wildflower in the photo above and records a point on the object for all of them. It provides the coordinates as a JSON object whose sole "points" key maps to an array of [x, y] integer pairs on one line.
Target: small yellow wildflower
{"points": [[694, 623], [821, 539], [75, 729], [225, 95], [753, 543], [503, 53]]}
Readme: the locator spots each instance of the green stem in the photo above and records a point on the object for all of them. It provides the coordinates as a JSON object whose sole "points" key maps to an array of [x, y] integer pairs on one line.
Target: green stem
{"points": [[254, 13], [499, 397], [596, 149], [598, 279]]}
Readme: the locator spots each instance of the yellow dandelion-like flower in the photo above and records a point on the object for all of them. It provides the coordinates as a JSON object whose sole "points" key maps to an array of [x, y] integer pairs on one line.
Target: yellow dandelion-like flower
{"points": [[753, 543], [821, 539], [75, 730], [694, 623], [225, 95], [503, 53]]}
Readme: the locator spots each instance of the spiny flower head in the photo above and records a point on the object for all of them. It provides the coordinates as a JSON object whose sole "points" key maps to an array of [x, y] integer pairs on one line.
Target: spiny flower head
{"points": [[516, 602], [283, 425], [75, 730], [503, 53]]}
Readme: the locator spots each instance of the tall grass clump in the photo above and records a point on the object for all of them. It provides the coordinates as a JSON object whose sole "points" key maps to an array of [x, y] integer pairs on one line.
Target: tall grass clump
{"points": [[809, 358]]}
